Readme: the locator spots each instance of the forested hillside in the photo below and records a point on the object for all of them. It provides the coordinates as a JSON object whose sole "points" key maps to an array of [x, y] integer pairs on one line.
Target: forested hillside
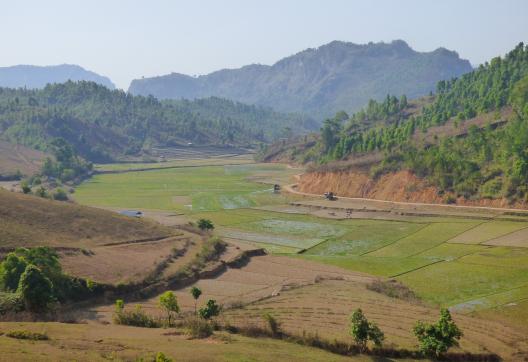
{"points": [[103, 124], [338, 75], [489, 160]]}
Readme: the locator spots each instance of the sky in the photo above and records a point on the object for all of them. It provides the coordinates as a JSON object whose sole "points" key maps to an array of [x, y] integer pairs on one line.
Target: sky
{"points": [[130, 39]]}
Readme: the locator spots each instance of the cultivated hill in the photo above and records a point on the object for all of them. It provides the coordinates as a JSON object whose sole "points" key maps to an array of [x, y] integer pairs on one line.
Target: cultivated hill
{"points": [[18, 160], [32, 76], [103, 124], [467, 144], [27, 220], [320, 81]]}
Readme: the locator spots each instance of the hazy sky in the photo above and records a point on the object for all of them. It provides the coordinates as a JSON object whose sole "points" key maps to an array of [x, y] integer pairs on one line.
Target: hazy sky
{"points": [[129, 39]]}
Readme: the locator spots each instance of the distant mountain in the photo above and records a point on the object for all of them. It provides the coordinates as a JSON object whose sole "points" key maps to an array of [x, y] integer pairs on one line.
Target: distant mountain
{"points": [[336, 76], [32, 76]]}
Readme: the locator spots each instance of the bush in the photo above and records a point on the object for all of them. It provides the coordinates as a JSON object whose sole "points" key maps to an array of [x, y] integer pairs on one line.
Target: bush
{"points": [[198, 327], [23, 334], [10, 302], [41, 192], [136, 317], [35, 289], [205, 224], [60, 195], [160, 357], [273, 324], [210, 310]]}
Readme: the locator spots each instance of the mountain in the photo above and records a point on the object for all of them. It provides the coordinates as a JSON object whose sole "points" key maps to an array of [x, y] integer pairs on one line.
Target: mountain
{"points": [[469, 140], [336, 76], [32, 76], [103, 124]]}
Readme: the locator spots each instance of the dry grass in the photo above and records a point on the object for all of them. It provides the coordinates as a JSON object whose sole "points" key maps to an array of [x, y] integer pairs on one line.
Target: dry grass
{"points": [[32, 221], [15, 158]]}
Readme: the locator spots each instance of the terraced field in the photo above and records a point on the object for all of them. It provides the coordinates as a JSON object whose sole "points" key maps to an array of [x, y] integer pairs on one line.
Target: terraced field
{"points": [[474, 261]]}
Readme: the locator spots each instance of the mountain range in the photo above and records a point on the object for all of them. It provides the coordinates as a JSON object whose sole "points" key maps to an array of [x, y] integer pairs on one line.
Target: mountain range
{"points": [[336, 76], [36, 77]]}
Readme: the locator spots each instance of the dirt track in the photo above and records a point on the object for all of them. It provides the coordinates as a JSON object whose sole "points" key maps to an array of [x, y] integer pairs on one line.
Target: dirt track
{"points": [[386, 204]]}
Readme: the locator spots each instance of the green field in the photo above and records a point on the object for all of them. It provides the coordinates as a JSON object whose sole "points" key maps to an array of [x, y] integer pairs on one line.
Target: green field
{"points": [[442, 259], [209, 188]]}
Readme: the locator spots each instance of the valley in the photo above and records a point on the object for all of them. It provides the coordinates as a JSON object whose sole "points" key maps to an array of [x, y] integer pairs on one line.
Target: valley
{"points": [[266, 181]]}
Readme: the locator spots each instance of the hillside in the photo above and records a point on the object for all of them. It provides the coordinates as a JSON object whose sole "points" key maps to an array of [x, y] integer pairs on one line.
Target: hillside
{"points": [[32, 76], [30, 221], [17, 159], [468, 142], [320, 81], [103, 125]]}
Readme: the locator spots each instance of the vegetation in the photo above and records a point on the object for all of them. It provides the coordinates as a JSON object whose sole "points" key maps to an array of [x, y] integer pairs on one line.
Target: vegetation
{"points": [[136, 317], [359, 72], [36, 276], [67, 166], [437, 338], [169, 303], [363, 331], [35, 289], [24, 334], [102, 124], [210, 310], [195, 292], [205, 224], [273, 324], [487, 162], [198, 327]]}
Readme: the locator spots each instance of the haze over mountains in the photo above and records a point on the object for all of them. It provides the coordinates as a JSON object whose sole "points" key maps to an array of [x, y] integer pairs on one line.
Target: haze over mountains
{"points": [[32, 76], [333, 77]]}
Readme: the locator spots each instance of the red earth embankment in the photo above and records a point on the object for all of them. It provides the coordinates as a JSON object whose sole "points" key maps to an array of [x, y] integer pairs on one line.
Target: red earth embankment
{"points": [[398, 186]]}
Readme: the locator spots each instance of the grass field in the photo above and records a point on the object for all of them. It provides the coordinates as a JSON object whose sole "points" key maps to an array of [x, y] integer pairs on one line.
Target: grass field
{"points": [[445, 260], [210, 188], [96, 342]]}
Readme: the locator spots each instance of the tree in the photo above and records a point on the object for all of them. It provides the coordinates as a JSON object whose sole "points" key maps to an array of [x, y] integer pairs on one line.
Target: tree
{"points": [[35, 289], [195, 292], [10, 271], [437, 338], [169, 302], [210, 310], [25, 187], [362, 330], [205, 224]]}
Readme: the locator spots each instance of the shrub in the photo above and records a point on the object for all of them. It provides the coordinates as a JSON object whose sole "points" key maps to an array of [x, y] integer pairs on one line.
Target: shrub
{"points": [[210, 310], [35, 289], [136, 317], [273, 324], [10, 302], [160, 357], [205, 224], [41, 192], [10, 271], [25, 187], [60, 195], [362, 330], [437, 338], [198, 327], [23, 334]]}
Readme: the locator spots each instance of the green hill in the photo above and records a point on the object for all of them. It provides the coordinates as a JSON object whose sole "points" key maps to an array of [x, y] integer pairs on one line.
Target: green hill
{"points": [[489, 159], [103, 124]]}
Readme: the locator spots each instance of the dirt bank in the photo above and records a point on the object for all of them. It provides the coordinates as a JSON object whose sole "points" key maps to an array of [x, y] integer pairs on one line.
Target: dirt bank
{"points": [[399, 186]]}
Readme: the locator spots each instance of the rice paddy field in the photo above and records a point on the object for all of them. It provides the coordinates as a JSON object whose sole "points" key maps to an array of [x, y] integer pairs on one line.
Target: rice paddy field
{"points": [[473, 265]]}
